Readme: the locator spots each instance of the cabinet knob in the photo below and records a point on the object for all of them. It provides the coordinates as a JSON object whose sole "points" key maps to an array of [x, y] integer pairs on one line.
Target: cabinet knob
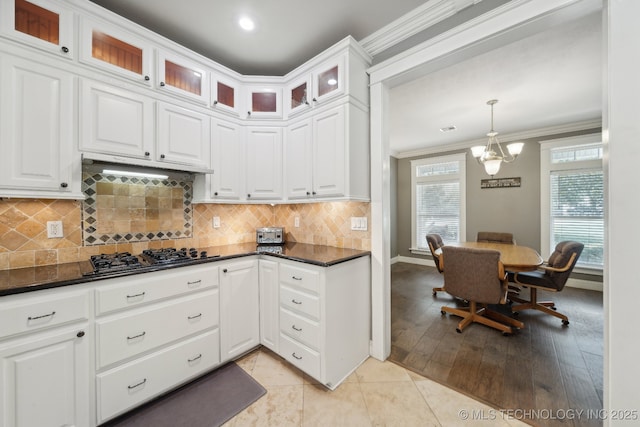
{"points": [[314, 100], [162, 156], [215, 194], [64, 49], [313, 193], [308, 194], [147, 154], [80, 334], [248, 195], [249, 113], [224, 270], [215, 102], [161, 83], [147, 78], [64, 185]]}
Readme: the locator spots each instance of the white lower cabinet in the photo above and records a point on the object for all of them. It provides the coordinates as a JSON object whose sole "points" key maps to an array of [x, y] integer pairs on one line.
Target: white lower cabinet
{"points": [[154, 331], [239, 308], [269, 296], [325, 317], [44, 360]]}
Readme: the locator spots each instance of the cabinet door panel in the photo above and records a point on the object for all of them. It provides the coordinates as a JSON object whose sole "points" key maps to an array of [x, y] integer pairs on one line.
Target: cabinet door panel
{"points": [[183, 77], [227, 160], [37, 126], [183, 136], [298, 160], [114, 121], [269, 300], [239, 308], [264, 163], [45, 381], [329, 153]]}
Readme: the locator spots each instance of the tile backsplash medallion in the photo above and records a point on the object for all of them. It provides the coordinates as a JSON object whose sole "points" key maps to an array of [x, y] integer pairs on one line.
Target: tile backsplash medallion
{"points": [[24, 242]]}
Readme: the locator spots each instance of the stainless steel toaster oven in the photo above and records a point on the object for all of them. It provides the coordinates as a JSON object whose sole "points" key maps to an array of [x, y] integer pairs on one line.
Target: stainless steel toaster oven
{"points": [[270, 235]]}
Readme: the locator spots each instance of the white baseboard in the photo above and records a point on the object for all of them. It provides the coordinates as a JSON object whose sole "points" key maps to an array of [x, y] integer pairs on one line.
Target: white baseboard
{"points": [[572, 283]]}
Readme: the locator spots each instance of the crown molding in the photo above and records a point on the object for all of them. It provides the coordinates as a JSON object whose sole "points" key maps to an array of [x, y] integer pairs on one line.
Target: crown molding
{"points": [[504, 138], [419, 19]]}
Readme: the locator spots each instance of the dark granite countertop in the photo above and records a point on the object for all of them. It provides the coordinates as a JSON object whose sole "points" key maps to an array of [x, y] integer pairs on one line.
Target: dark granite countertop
{"points": [[51, 276]]}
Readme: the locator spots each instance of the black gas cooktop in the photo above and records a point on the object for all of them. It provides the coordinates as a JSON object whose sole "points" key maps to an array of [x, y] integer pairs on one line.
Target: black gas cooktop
{"points": [[124, 261]]}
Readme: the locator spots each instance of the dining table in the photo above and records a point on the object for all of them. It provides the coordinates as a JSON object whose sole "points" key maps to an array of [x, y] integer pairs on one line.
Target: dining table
{"points": [[514, 257]]}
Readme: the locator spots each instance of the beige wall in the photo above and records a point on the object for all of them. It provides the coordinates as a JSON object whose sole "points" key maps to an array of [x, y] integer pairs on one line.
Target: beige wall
{"points": [[24, 242], [515, 210]]}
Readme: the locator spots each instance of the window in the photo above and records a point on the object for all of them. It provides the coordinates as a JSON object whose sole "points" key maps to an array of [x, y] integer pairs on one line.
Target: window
{"points": [[437, 199], [572, 187]]}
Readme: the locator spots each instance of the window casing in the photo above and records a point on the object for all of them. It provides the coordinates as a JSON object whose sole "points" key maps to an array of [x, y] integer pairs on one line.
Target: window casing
{"points": [[572, 192], [438, 200]]}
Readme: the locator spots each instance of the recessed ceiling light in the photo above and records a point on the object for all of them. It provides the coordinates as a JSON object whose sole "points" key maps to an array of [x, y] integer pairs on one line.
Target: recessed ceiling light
{"points": [[448, 128], [246, 23]]}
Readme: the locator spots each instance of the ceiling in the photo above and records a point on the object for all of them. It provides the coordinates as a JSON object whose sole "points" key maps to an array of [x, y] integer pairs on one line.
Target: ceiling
{"points": [[550, 78], [287, 33]]}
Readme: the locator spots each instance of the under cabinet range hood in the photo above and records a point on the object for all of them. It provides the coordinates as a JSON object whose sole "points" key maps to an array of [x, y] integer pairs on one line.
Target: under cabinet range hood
{"points": [[133, 170], [123, 161]]}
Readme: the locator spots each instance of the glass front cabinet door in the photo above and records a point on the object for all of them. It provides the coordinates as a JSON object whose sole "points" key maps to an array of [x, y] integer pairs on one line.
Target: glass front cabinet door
{"points": [[182, 77], [264, 102], [298, 96], [224, 95], [42, 24], [116, 51], [328, 80]]}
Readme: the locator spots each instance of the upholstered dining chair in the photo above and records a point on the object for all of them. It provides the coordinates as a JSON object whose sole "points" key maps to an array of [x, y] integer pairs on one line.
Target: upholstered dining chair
{"points": [[477, 276], [495, 237], [435, 242], [550, 277]]}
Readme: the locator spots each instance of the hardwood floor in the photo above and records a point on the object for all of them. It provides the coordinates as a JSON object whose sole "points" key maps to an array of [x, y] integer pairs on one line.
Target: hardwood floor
{"points": [[546, 373]]}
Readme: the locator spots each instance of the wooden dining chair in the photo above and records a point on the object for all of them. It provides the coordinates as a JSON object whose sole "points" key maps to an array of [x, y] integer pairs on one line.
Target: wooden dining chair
{"points": [[550, 277], [495, 237], [477, 276], [435, 242]]}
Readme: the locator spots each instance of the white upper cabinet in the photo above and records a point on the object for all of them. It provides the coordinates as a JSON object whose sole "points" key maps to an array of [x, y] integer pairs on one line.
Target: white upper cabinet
{"points": [[44, 24], [183, 136], [225, 95], [36, 130], [299, 160], [227, 161], [264, 163], [298, 95], [329, 80], [115, 121], [115, 50], [183, 77], [264, 101]]}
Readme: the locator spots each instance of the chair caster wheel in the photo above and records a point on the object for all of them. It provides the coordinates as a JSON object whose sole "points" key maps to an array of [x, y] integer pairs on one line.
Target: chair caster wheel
{"points": [[435, 293], [506, 334], [443, 312], [458, 330], [565, 322], [516, 313]]}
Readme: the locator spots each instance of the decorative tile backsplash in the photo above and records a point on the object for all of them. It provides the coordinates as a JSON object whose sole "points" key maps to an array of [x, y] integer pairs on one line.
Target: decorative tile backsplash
{"points": [[24, 242], [122, 209]]}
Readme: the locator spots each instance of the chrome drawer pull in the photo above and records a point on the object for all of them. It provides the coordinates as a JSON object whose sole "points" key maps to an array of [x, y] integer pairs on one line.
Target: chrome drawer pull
{"points": [[141, 294], [297, 357], [296, 302], [41, 317], [136, 336], [194, 317], [296, 329], [195, 358], [194, 283], [137, 385], [296, 278]]}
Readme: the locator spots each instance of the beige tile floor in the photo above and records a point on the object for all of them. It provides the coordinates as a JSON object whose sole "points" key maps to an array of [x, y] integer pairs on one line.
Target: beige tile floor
{"points": [[376, 394]]}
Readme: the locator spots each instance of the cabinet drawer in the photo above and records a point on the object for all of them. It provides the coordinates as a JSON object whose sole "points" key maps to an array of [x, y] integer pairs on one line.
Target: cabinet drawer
{"points": [[302, 329], [128, 385], [150, 287], [31, 313], [300, 356], [123, 336], [300, 301], [301, 277]]}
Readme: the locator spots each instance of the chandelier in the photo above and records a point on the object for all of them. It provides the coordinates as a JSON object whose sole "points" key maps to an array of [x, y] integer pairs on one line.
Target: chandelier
{"points": [[492, 155]]}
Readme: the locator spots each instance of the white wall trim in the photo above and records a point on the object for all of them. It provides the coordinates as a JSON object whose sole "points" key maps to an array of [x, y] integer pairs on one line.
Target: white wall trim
{"points": [[419, 19]]}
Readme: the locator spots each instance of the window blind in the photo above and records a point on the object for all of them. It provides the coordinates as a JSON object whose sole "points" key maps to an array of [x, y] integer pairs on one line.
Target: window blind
{"points": [[438, 211]]}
